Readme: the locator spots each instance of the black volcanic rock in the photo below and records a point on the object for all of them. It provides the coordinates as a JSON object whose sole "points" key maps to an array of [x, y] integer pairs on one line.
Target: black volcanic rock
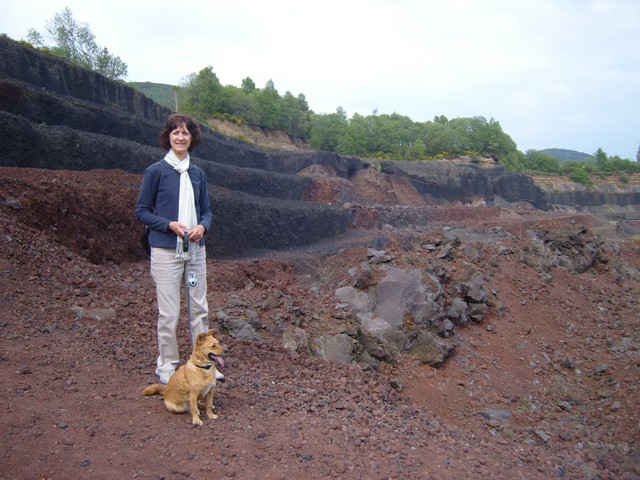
{"points": [[43, 106], [26, 144], [243, 220], [246, 222], [63, 77], [443, 179], [589, 198]]}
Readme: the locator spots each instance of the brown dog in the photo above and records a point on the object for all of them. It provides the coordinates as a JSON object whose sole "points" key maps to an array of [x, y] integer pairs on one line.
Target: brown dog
{"points": [[194, 380]]}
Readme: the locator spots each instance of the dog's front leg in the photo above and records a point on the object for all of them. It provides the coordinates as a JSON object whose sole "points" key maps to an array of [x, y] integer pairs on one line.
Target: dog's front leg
{"points": [[193, 405], [208, 405]]}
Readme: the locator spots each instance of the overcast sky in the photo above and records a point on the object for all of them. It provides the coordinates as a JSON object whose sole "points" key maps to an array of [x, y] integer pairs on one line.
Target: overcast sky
{"points": [[562, 73]]}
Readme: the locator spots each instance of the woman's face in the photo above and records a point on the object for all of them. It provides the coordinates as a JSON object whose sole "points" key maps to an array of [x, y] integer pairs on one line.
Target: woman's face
{"points": [[180, 140]]}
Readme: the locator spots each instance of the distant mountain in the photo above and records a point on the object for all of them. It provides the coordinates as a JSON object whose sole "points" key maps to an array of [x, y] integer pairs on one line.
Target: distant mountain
{"points": [[158, 92], [566, 155]]}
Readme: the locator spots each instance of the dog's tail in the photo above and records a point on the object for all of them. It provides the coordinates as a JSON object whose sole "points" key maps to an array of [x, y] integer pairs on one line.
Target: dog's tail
{"points": [[156, 388]]}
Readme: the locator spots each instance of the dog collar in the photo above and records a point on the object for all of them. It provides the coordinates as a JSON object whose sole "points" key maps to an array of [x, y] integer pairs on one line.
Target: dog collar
{"points": [[206, 367]]}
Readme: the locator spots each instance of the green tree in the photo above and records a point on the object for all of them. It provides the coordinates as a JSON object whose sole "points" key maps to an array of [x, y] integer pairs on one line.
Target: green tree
{"points": [[75, 42], [294, 115], [248, 85], [478, 135], [304, 117], [268, 106], [200, 94], [35, 38], [289, 113], [579, 174], [418, 150], [602, 161], [354, 137], [110, 66], [541, 162], [327, 130], [514, 161], [440, 138], [638, 154]]}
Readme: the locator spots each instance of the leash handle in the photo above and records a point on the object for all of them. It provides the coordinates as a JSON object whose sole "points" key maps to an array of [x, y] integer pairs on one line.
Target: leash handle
{"points": [[182, 247]]}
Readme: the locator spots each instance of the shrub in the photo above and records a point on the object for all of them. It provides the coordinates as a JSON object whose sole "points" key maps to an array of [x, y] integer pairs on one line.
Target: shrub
{"points": [[580, 175]]}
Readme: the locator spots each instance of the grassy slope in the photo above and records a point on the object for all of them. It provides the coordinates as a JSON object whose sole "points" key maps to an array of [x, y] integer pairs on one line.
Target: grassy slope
{"points": [[158, 92], [566, 155]]}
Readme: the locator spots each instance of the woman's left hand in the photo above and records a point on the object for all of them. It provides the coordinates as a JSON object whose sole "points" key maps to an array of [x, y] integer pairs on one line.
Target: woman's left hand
{"points": [[196, 233]]}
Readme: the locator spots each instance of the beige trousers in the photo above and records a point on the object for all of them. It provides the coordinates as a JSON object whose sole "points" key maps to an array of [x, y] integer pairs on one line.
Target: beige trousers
{"points": [[169, 277]]}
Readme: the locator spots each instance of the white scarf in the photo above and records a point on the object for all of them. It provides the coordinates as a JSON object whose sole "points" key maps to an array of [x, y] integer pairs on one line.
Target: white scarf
{"points": [[186, 203]]}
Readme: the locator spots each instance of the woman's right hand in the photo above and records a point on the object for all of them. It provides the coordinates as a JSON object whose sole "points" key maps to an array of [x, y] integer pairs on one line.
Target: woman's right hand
{"points": [[177, 228]]}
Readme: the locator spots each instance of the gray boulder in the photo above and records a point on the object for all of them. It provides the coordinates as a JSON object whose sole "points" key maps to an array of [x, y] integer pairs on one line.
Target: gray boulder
{"points": [[430, 349], [475, 290], [457, 311], [379, 338], [334, 348], [477, 311], [402, 303], [236, 327], [295, 339], [378, 256], [358, 300], [402, 295]]}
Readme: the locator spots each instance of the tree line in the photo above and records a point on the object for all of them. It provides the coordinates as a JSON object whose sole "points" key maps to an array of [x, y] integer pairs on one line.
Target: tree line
{"points": [[375, 136], [579, 171], [203, 96], [379, 136]]}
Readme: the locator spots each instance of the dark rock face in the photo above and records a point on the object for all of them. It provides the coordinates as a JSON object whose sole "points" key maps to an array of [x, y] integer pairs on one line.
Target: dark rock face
{"points": [[517, 187], [63, 77], [463, 182], [56, 115], [243, 221], [246, 222], [588, 198], [39, 146], [48, 107]]}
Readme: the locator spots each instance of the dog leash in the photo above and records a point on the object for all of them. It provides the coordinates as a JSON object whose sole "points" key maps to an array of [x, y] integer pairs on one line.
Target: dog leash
{"points": [[191, 281], [190, 277]]}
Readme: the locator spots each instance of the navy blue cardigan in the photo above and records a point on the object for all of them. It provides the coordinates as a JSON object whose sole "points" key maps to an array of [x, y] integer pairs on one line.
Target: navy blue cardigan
{"points": [[157, 203]]}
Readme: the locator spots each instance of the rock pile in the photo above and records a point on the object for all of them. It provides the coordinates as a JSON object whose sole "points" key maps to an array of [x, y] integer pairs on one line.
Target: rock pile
{"points": [[576, 249], [404, 310]]}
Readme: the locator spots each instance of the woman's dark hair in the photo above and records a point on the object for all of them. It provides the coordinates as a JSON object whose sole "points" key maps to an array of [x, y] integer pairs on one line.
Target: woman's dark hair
{"points": [[174, 121]]}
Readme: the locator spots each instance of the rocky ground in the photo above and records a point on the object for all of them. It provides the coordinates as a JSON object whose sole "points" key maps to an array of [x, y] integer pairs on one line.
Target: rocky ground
{"points": [[538, 320]]}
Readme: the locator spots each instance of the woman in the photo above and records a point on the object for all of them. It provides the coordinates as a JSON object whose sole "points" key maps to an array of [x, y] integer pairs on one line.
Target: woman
{"points": [[174, 204]]}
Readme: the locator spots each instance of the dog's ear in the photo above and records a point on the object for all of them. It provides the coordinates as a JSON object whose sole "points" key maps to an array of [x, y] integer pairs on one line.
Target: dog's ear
{"points": [[212, 332], [201, 337]]}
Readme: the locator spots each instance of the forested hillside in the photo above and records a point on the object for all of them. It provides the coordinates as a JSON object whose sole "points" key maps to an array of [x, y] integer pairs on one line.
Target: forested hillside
{"points": [[158, 92], [565, 154], [374, 136], [377, 136]]}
